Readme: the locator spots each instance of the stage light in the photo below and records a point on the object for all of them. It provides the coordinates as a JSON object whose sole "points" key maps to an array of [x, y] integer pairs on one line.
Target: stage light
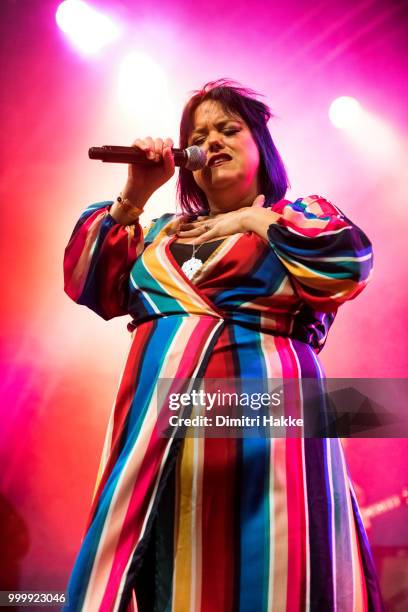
{"points": [[345, 112], [87, 28], [371, 134], [142, 87]]}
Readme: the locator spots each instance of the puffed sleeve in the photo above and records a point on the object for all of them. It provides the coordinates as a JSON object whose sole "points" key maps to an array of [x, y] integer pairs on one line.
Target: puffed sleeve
{"points": [[328, 258], [98, 260]]}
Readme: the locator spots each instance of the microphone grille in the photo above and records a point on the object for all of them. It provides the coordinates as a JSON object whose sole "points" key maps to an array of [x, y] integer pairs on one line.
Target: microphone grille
{"points": [[196, 158]]}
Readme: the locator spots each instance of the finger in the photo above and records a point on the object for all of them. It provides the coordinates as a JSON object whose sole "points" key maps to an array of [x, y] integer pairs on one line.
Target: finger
{"points": [[168, 142], [259, 200], [201, 226], [205, 224], [190, 232], [196, 229], [148, 146], [207, 235], [158, 148], [144, 145], [168, 161], [141, 144]]}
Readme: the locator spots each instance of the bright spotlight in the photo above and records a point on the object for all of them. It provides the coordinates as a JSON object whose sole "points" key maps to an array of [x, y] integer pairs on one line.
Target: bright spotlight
{"points": [[345, 112], [87, 28], [369, 133], [142, 85]]}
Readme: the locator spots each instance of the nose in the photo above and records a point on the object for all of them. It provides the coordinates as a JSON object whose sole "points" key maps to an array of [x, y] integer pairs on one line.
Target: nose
{"points": [[215, 141]]}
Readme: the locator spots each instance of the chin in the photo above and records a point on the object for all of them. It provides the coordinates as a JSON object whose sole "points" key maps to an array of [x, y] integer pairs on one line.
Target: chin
{"points": [[223, 179]]}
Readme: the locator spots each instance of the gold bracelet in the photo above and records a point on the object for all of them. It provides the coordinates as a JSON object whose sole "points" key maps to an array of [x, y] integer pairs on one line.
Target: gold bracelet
{"points": [[127, 206]]}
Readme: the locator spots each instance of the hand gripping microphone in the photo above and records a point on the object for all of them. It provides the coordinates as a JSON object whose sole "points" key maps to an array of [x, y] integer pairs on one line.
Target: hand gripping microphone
{"points": [[192, 158]]}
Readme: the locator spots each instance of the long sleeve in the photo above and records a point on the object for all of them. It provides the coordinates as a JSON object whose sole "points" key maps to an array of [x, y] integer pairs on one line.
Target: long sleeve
{"points": [[329, 259], [98, 260]]}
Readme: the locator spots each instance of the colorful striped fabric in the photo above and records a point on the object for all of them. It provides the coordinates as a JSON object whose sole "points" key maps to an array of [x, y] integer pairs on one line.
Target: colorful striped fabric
{"points": [[185, 524]]}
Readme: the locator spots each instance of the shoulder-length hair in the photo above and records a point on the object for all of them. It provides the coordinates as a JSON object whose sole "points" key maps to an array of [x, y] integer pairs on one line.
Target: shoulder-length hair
{"points": [[235, 100]]}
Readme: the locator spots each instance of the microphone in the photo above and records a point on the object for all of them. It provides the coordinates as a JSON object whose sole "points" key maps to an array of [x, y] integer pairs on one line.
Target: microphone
{"points": [[192, 158]]}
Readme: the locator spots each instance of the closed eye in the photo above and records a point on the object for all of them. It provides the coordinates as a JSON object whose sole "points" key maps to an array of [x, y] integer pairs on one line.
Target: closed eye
{"points": [[228, 132], [231, 131], [197, 141]]}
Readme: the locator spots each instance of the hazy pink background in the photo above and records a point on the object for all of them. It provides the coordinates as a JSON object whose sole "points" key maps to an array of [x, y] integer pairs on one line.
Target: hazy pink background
{"points": [[60, 363]]}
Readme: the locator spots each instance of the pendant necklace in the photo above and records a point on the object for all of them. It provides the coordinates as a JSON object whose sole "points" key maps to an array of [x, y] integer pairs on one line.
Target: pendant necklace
{"points": [[193, 264]]}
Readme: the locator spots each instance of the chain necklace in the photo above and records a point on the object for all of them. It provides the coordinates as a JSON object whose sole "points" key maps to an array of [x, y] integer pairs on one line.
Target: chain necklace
{"points": [[193, 264]]}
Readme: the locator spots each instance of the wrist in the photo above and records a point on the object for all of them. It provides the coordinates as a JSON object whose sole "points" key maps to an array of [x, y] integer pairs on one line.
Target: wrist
{"points": [[258, 220], [251, 217], [132, 199], [125, 210]]}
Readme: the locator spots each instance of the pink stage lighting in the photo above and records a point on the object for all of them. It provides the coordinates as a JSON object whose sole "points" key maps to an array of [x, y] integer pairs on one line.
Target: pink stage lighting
{"points": [[88, 29], [345, 112]]}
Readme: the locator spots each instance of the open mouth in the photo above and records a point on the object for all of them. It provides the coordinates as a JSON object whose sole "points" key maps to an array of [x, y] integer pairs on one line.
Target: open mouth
{"points": [[217, 160]]}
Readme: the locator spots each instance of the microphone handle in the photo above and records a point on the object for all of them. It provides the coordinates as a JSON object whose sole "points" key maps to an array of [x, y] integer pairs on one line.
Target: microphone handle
{"points": [[131, 155]]}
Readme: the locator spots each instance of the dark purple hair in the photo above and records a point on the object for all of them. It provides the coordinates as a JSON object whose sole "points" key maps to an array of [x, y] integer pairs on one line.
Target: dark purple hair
{"points": [[236, 100]]}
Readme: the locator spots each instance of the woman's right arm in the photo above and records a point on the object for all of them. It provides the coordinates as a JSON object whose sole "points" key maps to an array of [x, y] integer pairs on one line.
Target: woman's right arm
{"points": [[108, 237]]}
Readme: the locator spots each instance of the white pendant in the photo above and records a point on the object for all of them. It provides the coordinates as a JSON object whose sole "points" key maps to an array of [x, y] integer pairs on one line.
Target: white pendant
{"points": [[191, 266]]}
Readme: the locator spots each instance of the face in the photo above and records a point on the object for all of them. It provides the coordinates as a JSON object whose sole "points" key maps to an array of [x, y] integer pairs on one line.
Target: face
{"points": [[232, 155]]}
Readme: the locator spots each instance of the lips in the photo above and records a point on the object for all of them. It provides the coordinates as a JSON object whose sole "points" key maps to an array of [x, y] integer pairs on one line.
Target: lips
{"points": [[217, 160]]}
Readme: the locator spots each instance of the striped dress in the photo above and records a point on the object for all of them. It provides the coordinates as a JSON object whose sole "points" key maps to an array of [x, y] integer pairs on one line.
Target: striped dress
{"points": [[197, 524]]}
